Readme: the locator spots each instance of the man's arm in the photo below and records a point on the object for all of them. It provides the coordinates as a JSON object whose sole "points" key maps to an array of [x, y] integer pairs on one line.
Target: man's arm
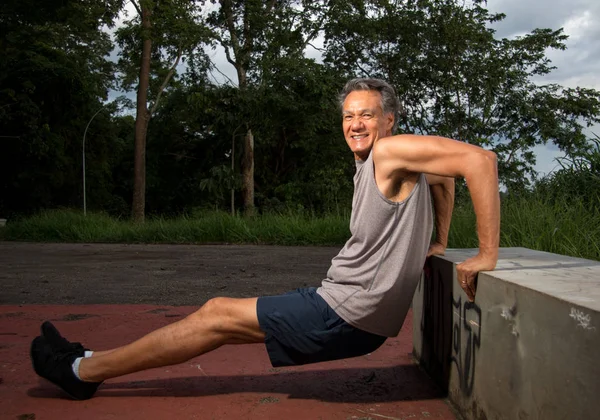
{"points": [[397, 156], [442, 192]]}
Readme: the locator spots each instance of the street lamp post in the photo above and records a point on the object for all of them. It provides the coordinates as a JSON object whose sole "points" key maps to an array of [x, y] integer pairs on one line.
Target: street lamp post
{"points": [[83, 156]]}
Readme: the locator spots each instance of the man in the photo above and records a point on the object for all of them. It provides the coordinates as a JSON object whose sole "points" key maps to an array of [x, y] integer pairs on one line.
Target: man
{"points": [[370, 283]]}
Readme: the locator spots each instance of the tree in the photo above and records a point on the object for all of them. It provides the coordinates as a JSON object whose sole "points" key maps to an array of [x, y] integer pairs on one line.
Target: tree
{"points": [[302, 160], [152, 46], [577, 180], [457, 80], [250, 31], [188, 144], [54, 75]]}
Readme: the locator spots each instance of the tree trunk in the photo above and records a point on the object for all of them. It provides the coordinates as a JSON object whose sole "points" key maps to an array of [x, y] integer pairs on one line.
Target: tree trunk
{"points": [[138, 206], [233, 171], [248, 174], [248, 157]]}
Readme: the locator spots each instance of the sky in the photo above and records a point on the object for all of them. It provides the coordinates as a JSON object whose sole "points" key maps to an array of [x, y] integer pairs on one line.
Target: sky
{"points": [[579, 65]]}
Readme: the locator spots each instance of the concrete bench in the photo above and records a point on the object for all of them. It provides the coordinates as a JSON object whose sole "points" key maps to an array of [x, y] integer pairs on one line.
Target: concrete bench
{"points": [[527, 348]]}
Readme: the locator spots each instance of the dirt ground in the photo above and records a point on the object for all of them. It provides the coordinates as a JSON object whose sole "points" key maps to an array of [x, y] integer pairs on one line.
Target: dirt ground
{"points": [[33, 273]]}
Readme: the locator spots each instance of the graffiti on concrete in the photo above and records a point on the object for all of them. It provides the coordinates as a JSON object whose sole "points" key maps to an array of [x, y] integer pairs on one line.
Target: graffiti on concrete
{"points": [[450, 328], [583, 320], [465, 341]]}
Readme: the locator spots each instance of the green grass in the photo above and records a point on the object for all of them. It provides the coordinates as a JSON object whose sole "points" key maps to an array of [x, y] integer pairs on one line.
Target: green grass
{"points": [[210, 227], [568, 228]]}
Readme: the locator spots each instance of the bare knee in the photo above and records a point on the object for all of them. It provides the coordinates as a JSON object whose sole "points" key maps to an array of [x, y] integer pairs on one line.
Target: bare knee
{"points": [[235, 318], [213, 315], [215, 307]]}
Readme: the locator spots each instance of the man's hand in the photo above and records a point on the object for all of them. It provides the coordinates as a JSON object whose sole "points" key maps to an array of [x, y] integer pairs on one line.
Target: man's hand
{"points": [[467, 272], [436, 248]]}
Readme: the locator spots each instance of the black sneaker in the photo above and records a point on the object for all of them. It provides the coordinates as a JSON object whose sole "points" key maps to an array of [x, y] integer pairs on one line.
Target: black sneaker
{"points": [[56, 366], [58, 342]]}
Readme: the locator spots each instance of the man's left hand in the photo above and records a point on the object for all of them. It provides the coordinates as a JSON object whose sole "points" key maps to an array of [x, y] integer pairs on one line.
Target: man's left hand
{"points": [[436, 248], [467, 272]]}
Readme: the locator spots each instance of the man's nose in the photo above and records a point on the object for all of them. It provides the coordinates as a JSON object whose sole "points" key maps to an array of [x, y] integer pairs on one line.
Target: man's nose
{"points": [[357, 124]]}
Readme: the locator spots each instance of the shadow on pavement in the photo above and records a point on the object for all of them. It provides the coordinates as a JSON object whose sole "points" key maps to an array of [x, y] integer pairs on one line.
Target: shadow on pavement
{"points": [[354, 385]]}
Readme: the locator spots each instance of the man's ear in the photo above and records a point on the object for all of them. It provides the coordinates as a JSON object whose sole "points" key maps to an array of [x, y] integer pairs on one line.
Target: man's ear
{"points": [[389, 121]]}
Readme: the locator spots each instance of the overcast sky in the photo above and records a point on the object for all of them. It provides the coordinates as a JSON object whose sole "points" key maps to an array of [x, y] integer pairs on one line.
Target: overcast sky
{"points": [[579, 65]]}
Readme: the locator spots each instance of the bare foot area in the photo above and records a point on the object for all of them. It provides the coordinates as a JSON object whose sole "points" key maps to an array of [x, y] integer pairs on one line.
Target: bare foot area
{"points": [[33, 273]]}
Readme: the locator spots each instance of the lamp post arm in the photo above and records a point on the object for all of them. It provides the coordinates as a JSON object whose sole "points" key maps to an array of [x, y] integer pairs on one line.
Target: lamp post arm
{"points": [[83, 156]]}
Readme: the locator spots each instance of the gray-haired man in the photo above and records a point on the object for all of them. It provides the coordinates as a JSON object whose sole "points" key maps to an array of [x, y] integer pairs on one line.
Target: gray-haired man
{"points": [[369, 286]]}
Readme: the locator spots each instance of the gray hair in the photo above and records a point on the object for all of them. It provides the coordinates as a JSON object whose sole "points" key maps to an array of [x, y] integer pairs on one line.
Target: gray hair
{"points": [[389, 100]]}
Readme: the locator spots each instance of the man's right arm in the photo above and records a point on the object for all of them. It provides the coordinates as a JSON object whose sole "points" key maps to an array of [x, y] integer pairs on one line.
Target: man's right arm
{"points": [[397, 155]]}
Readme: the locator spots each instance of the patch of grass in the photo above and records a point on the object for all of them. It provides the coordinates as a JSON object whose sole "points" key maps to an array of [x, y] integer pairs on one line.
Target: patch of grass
{"points": [[560, 227], [210, 227], [463, 232], [568, 228]]}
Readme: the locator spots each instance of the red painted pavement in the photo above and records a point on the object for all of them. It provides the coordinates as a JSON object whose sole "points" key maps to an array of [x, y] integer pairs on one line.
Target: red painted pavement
{"points": [[233, 382]]}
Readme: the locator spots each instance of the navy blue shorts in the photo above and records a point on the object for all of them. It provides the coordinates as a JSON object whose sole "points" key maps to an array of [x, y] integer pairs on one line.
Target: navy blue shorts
{"points": [[302, 328]]}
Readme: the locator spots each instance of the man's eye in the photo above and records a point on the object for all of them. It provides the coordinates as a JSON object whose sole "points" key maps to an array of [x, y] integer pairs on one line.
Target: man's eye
{"points": [[367, 116], [347, 117]]}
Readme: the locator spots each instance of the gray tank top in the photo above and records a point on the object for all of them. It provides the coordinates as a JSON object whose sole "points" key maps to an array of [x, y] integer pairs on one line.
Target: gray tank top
{"points": [[371, 282]]}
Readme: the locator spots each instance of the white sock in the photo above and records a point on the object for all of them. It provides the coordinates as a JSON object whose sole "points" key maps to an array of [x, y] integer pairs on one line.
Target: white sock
{"points": [[75, 367], [88, 353]]}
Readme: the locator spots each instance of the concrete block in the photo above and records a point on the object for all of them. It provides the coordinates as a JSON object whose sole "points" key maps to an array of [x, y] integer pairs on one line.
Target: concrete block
{"points": [[527, 348]]}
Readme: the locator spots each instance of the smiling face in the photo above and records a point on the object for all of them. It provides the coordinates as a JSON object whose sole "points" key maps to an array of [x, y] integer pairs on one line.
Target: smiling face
{"points": [[364, 122]]}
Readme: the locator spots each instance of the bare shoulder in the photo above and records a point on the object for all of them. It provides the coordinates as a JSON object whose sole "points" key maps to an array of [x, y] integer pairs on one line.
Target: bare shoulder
{"points": [[434, 155], [383, 160], [388, 154]]}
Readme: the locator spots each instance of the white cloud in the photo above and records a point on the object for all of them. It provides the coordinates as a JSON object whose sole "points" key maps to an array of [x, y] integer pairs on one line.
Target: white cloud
{"points": [[522, 16], [578, 66]]}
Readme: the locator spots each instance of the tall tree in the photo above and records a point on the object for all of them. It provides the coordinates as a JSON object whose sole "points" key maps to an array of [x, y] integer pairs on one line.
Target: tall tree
{"points": [[301, 137], [187, 140], [153, 44], [457, 80], [54, 75], [250, 30]]}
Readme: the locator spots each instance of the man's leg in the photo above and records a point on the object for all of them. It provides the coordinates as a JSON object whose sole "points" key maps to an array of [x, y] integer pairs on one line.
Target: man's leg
{"points": [[220, 321]]}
